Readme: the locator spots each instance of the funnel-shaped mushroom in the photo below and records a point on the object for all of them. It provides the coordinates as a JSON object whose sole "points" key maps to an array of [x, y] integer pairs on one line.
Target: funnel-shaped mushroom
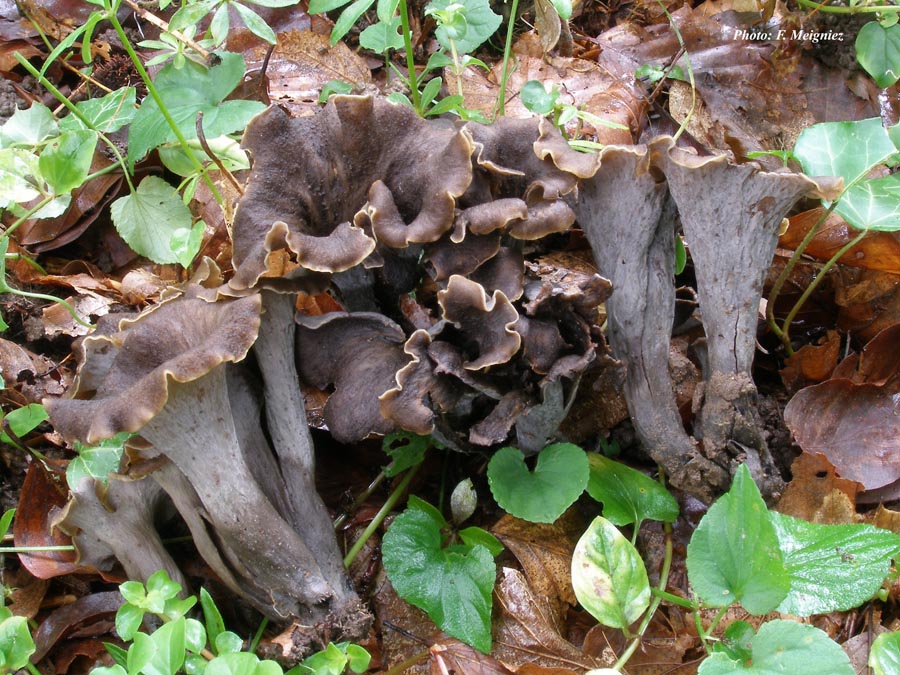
{"points": [[117, 521], [628, 219], [731, 214], [165, 375]]}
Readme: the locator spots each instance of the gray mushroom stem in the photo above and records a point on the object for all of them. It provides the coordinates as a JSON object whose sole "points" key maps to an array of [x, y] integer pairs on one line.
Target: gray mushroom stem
{"points": [[628, 219], [293, 444], [197, 420]]}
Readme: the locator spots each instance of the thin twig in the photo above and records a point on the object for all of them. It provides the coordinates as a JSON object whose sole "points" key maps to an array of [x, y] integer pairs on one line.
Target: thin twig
{"points": [[214, 157]]}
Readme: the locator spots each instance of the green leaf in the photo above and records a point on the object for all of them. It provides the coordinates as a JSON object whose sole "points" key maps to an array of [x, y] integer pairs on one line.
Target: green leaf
{"points": [[186, 243], [333, 87], [96, 461], [563, 8], [113, 670], [160, 583], [6, 521], [680, 255], [128, 620], [475, 535], [386, 10], [349, 17], [872, 204], [274, 3], [140, 653], [22, 421], [878, 52], [218, 26], [733, 555], [28, 126], [16, 644], [382, 36], [148, 218], [784, 647], [454, 588], [228, 150], [194, 636], [405, 449], [541, 496], [212, 618], [737, 642], [359, 658], [851, 561], [537, 99], [66, 161], [481, 23], [106, 114], [255, 23], [329, 661], [241, 663], [322, 6], [430, 91], [608, 576], [228, 643], [884, 658], [628, 496], [845, 149], [185, 92], [170, 649]]}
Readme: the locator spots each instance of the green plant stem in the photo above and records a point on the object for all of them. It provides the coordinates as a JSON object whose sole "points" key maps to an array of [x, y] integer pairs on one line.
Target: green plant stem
{"points": [[164, 111], [500, 107], [4, 287], [457, 67], [654, 604], [389, 504], [704, 634], [782, 334], [254, 643], [410, 58], [837, 9], [363, 496], [73, 109], [33, 549], [32, 669], [832, 261], [674, 599], [413, 660], [690, 71], [25, 216], [28, 261]]}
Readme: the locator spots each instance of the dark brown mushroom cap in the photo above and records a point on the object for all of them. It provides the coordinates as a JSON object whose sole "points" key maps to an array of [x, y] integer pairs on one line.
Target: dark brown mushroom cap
{"points": [[359, 161], [487, 320], [359, 353], [176, 341]]}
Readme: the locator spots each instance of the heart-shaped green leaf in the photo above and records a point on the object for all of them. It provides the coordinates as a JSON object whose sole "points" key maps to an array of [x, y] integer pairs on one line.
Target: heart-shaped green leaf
{"points": [[542, 495], [453, 586], [878, 52]]}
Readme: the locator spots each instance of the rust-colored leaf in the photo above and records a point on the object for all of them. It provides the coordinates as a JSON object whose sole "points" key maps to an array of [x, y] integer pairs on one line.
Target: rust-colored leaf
{"points": [[79, 616], [42, 490], [877, 251], [817, 494], [852, 421], [812, 363]]}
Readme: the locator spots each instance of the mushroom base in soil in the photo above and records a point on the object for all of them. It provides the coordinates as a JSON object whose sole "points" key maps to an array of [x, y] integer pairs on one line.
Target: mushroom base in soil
{"points": [[177, 377]]}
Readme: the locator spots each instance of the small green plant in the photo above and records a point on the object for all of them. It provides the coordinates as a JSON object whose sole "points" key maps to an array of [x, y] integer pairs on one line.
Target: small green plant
{"points": [[461, 28], [850, 151], [743, 553], [541, 101], [184, 644], [448, 574]]}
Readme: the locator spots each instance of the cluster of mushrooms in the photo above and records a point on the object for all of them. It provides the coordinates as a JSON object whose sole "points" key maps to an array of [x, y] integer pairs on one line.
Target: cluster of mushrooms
{"points": [[369, 200]]}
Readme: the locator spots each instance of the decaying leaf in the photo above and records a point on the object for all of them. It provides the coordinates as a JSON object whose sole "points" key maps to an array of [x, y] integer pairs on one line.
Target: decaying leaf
{"points": [[850, 418]]}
